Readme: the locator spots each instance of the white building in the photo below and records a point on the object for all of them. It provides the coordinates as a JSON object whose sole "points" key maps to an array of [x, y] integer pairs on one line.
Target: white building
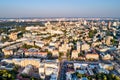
{"points": [[39, 43], [53, 77], [27, 69], [32, 28], [68, 76]]}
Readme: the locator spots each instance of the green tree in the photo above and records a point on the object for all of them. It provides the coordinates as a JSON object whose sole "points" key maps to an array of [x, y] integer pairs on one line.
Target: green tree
{"points": [[117, 78], [29, 46], [92, 33], [49, 55], [7, 56], [78, 75], [61, 54], [104, 77], [7, 75], [68, 55], [81, 54], [4, 39]]}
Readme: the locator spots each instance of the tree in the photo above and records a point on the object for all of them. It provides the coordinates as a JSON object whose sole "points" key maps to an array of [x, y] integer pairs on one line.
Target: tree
{"points": [[16, 68], [29, 46], [7, 75], [4, 39], [89, 78], [81, 54], [25, 76], [108, 33], [49, 54], [78, 75], [117, 78], [92, 33], [61, 54], [68, 55], [114, 42], [32, 78], [104, 77], [7, 56], [112, 75], [98, 76], [34, 42]]}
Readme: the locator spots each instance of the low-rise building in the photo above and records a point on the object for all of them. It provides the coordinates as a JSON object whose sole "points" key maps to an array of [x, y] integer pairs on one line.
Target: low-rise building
{"points": [[40, 44], [85, 46], [107, 57], [55, 53], [24, 62], [27, 69], [92, 56], [7, 51], [74, 54], [49, 68], [64, 48], [13, 36], [106, 66], [108, 40]]}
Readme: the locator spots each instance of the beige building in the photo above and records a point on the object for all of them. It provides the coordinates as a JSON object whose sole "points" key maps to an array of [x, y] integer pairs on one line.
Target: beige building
{"points": [[107, 57], [96, 43], [25, 62], [37, 54], [7, 51], [74, 54], [106, 66], [28, 42], [13, 36], [108, 40], [92, 56], [85, 46], [78, 46], [64, 48], [55, 53]]}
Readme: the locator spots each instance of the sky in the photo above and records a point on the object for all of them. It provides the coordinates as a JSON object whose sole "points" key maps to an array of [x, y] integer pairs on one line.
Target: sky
{"points": [[59, 8]]}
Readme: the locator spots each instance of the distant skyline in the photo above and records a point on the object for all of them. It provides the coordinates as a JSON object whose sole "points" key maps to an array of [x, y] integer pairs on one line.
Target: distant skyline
{"points": [[59, 8]]}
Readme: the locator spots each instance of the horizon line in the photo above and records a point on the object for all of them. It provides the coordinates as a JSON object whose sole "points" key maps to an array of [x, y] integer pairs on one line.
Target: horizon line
{"points": [[53, 17]]}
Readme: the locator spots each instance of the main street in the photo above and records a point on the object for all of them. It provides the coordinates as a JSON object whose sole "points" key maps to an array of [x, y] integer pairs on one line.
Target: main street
{"points": [[63, 67], [62, 70]]}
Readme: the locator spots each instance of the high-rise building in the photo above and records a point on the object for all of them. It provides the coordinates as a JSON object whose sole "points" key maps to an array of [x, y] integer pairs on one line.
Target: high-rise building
{"points": [[109, 24], [78, 46], [85, 22], [115, 24]]}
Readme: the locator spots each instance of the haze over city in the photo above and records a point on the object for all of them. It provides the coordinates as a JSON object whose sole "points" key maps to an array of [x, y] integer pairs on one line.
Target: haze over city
{"points": [[59, 8]]}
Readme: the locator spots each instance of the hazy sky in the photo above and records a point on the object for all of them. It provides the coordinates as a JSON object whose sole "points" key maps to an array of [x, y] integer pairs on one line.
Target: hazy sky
{"points": [[59, 8]]}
